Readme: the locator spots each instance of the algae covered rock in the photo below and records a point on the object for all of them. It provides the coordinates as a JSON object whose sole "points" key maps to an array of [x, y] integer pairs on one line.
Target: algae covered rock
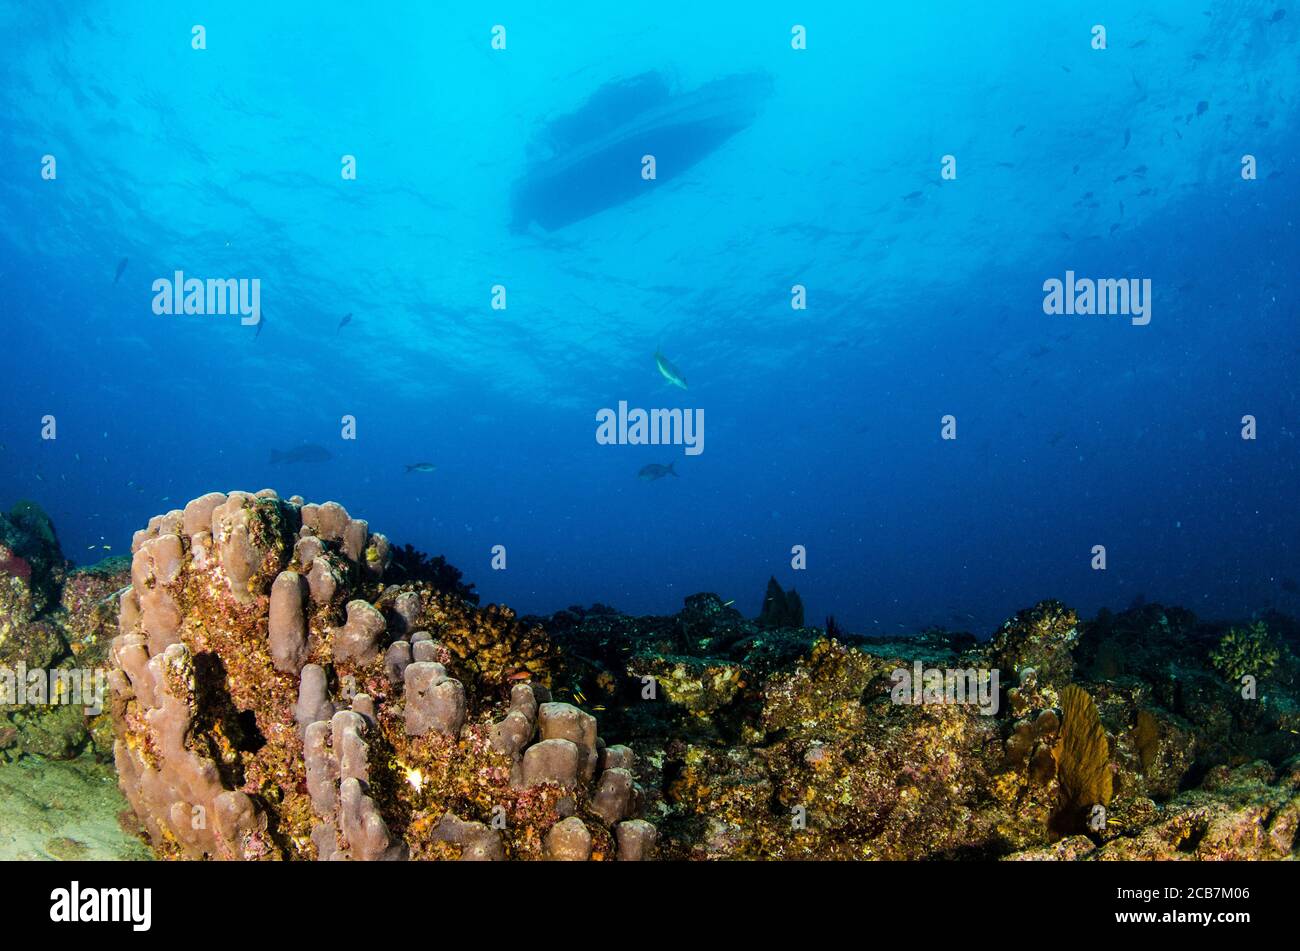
{"points": [[29, 552], [1035, 647], [1248, 813], [54, 636], [778, 743]]}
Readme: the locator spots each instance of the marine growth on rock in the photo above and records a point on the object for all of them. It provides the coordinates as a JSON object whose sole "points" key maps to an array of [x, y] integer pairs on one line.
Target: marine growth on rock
{"points": [[276, 696]]}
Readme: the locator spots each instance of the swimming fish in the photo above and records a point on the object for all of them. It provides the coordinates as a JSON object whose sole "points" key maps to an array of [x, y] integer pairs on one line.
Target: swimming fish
{"points": [[668, 371], [655, 471], [347, 319], [307, 452], [121, 266], [421, 467]]}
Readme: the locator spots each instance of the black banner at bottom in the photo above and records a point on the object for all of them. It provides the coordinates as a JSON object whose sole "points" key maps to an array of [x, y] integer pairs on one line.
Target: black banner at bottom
{"points": [[136, 902]]}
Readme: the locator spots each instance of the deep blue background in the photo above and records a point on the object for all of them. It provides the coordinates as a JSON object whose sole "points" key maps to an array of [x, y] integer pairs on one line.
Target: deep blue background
{"points": [[822, 426]]}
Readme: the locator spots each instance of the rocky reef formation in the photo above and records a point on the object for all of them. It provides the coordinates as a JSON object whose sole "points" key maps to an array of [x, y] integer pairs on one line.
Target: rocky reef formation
{"points": [[56, 622], [1125, 736], [781, 608], [286, 684], [280, 693]]}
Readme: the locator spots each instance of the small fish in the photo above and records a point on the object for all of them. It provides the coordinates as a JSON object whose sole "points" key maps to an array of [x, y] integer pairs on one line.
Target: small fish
{"points": [[1128, 137], [1019, 129], [655, 471], [347, 319], [421, 467], [1277, 16], [121, 266], [911, 196], [106, 547], [1202, 107], [668, 371]]}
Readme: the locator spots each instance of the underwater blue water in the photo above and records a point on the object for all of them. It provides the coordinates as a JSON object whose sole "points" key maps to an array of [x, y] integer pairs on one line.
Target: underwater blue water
{"points": [[822, 425]]}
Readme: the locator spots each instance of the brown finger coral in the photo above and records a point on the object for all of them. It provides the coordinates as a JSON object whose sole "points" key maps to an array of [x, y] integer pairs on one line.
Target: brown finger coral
{"points": [[274, 699]]}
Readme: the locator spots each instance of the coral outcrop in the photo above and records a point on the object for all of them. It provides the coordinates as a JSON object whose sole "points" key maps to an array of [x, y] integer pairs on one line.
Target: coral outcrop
{"points": [[781, 608], [277, 695], [1106, 736], [55, 626]]}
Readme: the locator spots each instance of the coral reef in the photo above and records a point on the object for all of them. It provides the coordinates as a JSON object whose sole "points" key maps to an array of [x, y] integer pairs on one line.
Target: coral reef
{"points": [[1250, 812], [277, 696], [760, 742], [29, 552], [56, 622], [282, 690]]}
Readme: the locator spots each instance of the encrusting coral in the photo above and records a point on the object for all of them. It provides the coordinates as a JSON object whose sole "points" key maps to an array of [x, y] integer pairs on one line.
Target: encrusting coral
{"points": [[275, 698]]}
